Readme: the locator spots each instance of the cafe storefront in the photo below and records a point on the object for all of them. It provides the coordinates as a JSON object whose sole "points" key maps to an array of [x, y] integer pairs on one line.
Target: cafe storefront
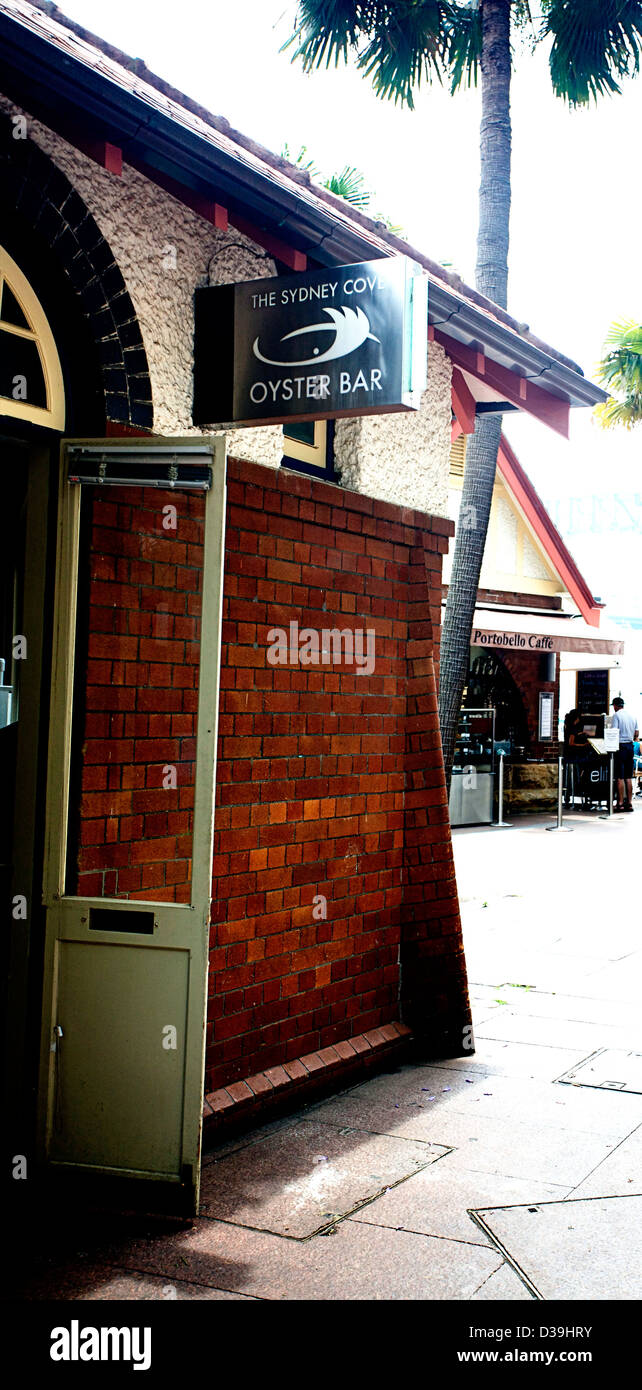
{"points": [[538, 648]]}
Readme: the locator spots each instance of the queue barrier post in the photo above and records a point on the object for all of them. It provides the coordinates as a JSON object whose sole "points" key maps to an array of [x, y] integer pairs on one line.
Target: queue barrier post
{"points": [[609, 811], [560, 801], [500, 823]]}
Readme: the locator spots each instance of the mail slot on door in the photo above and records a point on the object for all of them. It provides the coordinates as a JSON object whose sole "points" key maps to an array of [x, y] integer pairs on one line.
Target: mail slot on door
{"points": [[116, 919]]}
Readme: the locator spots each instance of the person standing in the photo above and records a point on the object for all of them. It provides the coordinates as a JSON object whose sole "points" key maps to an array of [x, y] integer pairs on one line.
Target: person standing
{"points": [[576, 751], [629, 732]]}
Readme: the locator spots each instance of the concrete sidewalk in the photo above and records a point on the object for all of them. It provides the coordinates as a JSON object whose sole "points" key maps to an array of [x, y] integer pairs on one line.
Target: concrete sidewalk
{"points": [[510, 1174]]}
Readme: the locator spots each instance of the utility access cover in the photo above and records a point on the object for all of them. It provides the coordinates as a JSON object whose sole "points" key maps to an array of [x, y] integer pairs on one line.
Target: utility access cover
{"points": [[608, 1069]]}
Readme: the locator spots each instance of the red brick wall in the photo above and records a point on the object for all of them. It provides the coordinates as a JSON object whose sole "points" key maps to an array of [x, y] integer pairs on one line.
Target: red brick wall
{"points": [[143, 620], [329, 783]]}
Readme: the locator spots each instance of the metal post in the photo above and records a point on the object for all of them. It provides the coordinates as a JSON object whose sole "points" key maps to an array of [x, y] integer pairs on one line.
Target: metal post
{"points": [[560, 800], [609, 810], [500, 823]]}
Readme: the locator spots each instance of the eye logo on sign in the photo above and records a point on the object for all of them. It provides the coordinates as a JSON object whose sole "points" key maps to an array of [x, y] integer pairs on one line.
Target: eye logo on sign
{"points": [[351, 327]]}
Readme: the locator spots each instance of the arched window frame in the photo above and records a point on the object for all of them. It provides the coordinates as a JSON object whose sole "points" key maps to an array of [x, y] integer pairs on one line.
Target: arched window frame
{"points": [[53, 415]]}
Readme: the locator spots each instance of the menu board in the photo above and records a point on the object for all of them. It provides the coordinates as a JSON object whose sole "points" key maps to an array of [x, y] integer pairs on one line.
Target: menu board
{"points": [[592, 692], [546, 703]]}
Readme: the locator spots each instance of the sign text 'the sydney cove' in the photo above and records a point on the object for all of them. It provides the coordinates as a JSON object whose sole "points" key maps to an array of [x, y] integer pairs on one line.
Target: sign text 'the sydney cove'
{"points": [[344, 340]]}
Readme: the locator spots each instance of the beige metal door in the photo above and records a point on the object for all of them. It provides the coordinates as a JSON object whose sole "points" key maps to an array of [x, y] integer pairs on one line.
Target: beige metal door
{"points": [[130, 810]]}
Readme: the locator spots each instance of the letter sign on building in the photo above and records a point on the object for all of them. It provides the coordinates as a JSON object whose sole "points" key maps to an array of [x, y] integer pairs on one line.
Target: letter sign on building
{"points": [[344, 340]]}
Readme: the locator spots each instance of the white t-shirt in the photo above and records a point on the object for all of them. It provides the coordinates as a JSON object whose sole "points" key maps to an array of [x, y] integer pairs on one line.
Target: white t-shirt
{"points": [[626, 724]]}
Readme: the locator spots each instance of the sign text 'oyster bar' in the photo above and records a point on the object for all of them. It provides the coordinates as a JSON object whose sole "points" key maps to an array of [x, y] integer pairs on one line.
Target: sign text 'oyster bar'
{"points": [[344, 340]]}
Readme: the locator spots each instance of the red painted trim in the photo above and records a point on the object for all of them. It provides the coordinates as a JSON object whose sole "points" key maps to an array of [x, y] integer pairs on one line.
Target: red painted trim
{"points": [[110, 157], [296, 260], [517, 390], [548, 535], [114, 430], [463, 403]]}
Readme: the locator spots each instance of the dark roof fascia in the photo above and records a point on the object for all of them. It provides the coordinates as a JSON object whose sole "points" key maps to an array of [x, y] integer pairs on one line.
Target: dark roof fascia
{"points": [[67, 94], [459, 319]]}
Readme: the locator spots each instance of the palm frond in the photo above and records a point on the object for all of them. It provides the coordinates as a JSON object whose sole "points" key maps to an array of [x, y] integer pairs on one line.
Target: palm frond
{"points": [[614, 412], [349, 184], [595, 43], [300, 160], [397, 43], [409, 45], [625, 333], [464, 45], [620, 370], [324, 30]]}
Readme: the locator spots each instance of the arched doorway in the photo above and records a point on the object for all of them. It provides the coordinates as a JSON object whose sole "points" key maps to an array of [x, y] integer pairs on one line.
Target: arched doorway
{"points": [[72, 361]]}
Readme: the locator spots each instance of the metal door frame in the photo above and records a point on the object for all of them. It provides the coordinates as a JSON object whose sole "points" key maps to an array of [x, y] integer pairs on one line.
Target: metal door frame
{"points": [[179, 926]]}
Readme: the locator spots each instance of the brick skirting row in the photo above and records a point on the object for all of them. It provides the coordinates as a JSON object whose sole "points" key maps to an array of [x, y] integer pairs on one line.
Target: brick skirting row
{"points": [[281, 1087]]}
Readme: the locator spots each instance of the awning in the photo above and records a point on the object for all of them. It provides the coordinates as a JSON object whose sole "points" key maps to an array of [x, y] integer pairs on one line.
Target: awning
{"points": [[540, 632]]}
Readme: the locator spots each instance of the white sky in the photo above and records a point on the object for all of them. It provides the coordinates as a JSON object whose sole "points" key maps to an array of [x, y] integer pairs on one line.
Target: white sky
{"points": [[575, 227]]}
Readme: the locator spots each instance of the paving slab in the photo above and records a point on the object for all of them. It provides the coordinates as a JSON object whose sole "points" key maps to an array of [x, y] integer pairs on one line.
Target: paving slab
{"points": [[610, 1069], [437, 1201], [579, 1008], [521, 1027], [550, 1104], [431, 1106], [306, 1175], [428, 1096], [621, 980], [99, 1283], [496, 1056], [485, 1145], [503, 1286], [577, 1249], [386, 1104], [357, 1262], [505, 961], [620, 1174]]}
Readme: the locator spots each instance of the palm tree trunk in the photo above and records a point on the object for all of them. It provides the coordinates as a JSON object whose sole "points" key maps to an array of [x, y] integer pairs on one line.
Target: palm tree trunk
{"points": [[481, 455]]}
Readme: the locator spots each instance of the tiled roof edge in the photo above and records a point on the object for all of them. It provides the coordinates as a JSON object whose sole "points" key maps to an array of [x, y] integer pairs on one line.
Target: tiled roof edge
{"points": [[300, 176]]}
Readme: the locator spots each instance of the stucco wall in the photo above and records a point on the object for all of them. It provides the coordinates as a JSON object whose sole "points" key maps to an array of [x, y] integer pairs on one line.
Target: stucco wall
{"points": [[405, 457], [164, 251], [513, 560]]}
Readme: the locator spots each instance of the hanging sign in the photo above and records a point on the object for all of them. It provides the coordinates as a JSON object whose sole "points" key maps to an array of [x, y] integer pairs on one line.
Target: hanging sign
{"points": [[343, 340]]}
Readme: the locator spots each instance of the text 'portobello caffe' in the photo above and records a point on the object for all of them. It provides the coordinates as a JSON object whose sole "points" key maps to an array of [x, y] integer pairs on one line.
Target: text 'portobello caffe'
{"points": [[533, 641]]}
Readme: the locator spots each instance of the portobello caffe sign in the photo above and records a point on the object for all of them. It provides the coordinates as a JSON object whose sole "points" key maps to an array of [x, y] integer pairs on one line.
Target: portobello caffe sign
{"points": [[344, 340], [520, 641]]}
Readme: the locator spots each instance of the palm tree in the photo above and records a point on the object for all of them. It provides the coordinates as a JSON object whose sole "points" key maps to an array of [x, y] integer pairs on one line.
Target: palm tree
{"points": [[620, 370], [349, 183], [399, 44]]}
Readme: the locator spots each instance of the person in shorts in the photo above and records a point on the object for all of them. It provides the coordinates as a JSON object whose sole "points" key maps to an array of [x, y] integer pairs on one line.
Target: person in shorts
{"points": [[629, 732], [637, 765]]}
